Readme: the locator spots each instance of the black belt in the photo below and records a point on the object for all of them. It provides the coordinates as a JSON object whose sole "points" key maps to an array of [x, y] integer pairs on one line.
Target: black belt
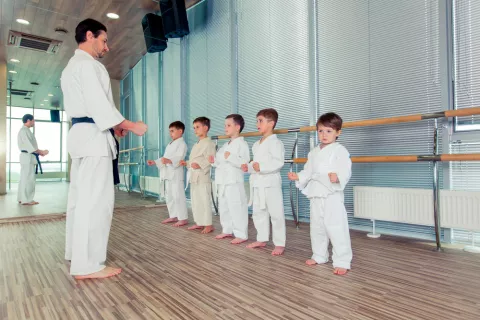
{"points": [[116, 175], [39, 164]]}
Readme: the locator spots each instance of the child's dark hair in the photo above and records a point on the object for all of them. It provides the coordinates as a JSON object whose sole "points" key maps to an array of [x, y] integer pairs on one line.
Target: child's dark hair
{"points": [[203, 120], [177, 125], [330, 120], [269, 114], [237, 119]]}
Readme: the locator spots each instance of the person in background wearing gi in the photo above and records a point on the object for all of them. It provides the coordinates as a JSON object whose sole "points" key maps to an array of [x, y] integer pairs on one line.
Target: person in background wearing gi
{"points": [[323, 180], [229, 181], [172, 176], [199, 176], [28, 160], [89, 104], [266, 184]]}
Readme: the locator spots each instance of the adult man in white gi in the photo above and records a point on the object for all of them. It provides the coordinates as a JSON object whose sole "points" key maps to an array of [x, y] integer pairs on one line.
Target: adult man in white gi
{"points": [[89, 103], [28, 160]]}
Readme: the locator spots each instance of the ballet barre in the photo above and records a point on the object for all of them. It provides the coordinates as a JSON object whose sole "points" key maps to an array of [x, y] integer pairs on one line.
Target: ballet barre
{"points": [[434, 158]]}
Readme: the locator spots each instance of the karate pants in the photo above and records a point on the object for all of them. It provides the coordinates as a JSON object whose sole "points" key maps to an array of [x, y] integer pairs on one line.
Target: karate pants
{"points": [[91, 199], [268, 205], [328, 221], [175, 199], [232, 205], [201, 203], [26, 186]]}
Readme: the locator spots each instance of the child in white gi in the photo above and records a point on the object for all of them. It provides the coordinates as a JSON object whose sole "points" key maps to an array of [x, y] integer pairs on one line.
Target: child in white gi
{"points": [[323, 180], [229, 180], [266, 184], [172, 176], [199, 176]]}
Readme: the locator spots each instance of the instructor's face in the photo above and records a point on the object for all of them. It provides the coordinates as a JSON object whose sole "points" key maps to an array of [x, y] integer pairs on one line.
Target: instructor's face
{"points": [[100, 47]]}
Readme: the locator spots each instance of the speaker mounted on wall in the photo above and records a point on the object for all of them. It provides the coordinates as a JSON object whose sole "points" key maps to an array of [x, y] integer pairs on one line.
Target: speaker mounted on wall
{"points": [[153, 32], [174, 14]]}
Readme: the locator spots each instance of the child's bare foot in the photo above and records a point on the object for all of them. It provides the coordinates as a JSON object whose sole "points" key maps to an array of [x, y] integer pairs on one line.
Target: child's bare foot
{"points": [[278, 251], [207, 229], [181, 223], [32, 203], [169, 220], [102, 274], [195, 227], [256, 244], [224, 235], [238, 241], [340, 271], [311, 262]]}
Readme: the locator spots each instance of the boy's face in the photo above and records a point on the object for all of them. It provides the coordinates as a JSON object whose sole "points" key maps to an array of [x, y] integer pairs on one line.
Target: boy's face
{"points": [[264, 125], [200, 129], [231, 128], [175, 133], [327, 135]]}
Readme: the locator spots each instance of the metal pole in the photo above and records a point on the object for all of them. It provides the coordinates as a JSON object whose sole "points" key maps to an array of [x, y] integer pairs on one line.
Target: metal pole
{"points": [[436, 190], [296, 190], [10, 142]]}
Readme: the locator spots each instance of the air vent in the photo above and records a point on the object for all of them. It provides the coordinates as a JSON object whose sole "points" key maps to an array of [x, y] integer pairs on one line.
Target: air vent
{"points": [[32, 42]]}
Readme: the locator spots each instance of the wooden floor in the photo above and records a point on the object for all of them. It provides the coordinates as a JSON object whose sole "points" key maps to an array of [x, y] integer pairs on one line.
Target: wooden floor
{"points": [[173, 273]]}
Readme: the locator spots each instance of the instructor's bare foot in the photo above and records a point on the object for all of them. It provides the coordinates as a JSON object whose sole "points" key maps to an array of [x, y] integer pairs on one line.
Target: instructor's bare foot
{"points": [[102, 274], [194, 227], [32, 203], [238, 241], [224, 235], [278, 251], [311, 262], [181, 223], [340, 271], [207, 229], [169, 220], [257, 244]]}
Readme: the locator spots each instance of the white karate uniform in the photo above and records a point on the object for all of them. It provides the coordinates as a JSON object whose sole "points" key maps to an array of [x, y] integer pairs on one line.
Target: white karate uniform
{"points": [[266, 190], [26, 187], [229, 180], [172, 179], [328, 217], [87, 93], [200, 182]]}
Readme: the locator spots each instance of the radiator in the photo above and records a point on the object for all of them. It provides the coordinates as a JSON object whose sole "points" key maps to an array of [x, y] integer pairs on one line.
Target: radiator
{"points": [[458, 209]]}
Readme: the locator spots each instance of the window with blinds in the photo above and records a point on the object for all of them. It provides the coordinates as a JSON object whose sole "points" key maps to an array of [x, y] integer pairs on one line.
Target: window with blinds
{"points": [[208, 87], [378, 59], [273, 68], [466, 35]]}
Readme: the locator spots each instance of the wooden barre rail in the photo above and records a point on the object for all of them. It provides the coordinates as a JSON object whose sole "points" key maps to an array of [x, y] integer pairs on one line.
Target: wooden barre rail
{"points": [[376, 122], [407, 158], [132, 149]]}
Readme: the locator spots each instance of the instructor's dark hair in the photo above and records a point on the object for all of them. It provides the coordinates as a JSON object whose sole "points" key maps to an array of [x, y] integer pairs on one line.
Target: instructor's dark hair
{"points": [[88, 25]]}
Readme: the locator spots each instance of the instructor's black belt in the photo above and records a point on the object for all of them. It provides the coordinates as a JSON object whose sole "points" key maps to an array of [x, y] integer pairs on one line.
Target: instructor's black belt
{"points": [[116, 175], [39, 164]]}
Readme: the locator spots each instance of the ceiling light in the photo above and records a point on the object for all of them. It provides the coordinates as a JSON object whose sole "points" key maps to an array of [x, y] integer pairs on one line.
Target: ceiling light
{"points": [[8, 96], [45, 100], [50, 95], [113, 15], [41, 104], [12, 71], [22, 21], [15, 60]]}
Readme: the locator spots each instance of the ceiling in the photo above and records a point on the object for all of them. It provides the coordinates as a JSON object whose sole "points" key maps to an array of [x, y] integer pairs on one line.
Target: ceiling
{"points": [[125, 39]]}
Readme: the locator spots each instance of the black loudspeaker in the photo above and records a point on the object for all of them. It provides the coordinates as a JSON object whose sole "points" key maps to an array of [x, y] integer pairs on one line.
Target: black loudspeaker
{"points": [[55, 115], [153, 33], [174, 14]]}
